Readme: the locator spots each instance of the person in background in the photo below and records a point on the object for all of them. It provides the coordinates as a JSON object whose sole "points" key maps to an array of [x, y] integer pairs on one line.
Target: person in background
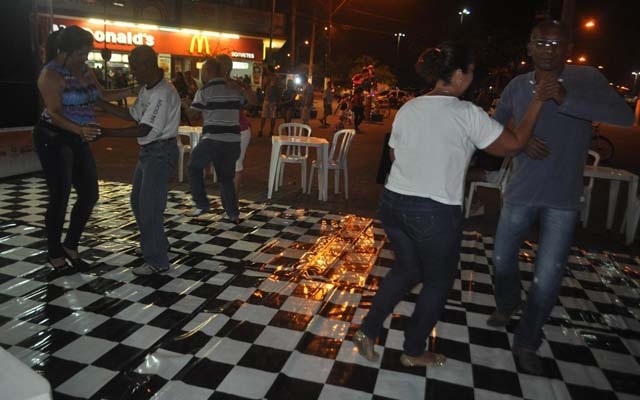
{"points": [[432, 140], [220, 104], [327, 100], [156, 113], [226, 64], [307, 100], [357, 107], [288, 101], [69, 90], [272, 93], [547, 179]]}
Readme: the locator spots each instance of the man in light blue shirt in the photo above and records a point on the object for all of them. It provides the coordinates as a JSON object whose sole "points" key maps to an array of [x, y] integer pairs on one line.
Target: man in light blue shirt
{"points": [[547, 180]]}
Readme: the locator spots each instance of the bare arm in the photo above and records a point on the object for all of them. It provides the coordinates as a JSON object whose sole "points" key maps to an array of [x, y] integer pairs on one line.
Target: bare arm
{"points": [[129, 131], [119, 112], [113, 94], [51, 85]]}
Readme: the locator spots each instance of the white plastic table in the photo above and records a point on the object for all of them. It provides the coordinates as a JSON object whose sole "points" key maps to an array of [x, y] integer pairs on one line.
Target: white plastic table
{"points": [[615, 176], [18, 381], [193, 132], [322, 149]]}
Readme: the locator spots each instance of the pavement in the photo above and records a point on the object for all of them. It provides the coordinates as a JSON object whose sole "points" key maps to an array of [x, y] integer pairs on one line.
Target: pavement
{"points": [[116, 159]]}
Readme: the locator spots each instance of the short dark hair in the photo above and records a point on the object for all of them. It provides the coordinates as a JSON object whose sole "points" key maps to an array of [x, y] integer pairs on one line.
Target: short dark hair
{"points": [[73, 38], [439, 63], [552, 24]]}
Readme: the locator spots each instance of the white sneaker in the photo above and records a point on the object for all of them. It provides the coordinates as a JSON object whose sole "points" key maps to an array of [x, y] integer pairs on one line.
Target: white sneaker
{"points": [[196, 212], [148, 269]]}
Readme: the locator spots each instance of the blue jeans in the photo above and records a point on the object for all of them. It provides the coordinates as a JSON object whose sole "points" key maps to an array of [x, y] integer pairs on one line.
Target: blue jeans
{"points": [[223, 155], [425, 236], [157, 162], [556, 233]]}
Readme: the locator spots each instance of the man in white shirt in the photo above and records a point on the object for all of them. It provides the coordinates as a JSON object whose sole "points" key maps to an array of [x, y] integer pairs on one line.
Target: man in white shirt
{"points": [[157, 113]]}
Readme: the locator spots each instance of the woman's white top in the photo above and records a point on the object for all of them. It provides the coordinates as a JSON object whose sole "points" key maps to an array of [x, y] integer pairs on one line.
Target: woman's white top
{"points": [[433, 139]]}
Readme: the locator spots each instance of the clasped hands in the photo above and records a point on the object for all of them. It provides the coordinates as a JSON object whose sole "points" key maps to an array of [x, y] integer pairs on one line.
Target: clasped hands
{"points": [[90, 132], [547, 88]]}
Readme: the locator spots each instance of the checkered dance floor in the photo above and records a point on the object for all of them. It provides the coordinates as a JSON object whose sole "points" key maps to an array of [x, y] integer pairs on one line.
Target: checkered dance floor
{"points": [[266, 309]]}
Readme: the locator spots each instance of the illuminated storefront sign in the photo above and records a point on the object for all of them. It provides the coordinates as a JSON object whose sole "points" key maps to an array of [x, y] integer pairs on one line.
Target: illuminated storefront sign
{"points": [[120, 36], [199, 45]]}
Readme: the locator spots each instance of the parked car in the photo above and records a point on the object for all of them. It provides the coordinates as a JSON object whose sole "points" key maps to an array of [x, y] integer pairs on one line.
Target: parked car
{"points": [[395, 97]]}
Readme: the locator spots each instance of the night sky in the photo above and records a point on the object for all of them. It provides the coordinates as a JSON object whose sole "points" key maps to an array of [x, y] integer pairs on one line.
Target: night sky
{"points": [[368, 27]]}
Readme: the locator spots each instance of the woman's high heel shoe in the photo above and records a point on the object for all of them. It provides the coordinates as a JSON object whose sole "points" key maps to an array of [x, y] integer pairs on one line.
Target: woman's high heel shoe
{"points": [[365, 346], [76, 261], [427, 359]]}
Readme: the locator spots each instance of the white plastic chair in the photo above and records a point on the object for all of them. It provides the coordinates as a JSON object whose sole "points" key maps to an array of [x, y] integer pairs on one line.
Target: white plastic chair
{"points": [[293, 154], [499, 183], [586, 194], [182, 149], [340, 146]]}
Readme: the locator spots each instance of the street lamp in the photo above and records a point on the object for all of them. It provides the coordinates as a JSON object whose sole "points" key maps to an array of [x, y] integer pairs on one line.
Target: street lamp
{"points": [[635, 79], [399, 35], [462, 13]]}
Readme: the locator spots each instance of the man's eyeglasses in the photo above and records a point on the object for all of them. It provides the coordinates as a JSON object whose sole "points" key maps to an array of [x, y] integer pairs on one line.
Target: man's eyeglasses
{"points": [[541, 43]]}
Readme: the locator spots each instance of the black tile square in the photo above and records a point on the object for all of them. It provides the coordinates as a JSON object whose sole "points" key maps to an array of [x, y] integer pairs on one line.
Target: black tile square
{"points": [[353, 376], [121, 358], [154, 281], [161, 298], [267, 299], [206, 290], [204, 373], [391, 361], [169, 319], [56, 370], [287, 388], [131, 386], [185, 343], [246, 331], [584, 392], [337, 311], [622, 382], [319, 346], [108, 306], [100, 286], [264, 358], [489, 338], [49, 341], [291, 320], [453, 316], [234, 253], [219, 241], [115, 329], [572, 353], [440, 390], [246, 281], [453, 349], [496, 380]]}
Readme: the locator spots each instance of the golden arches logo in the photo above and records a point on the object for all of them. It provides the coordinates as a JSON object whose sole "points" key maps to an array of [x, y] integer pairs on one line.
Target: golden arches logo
{"points": [[199, 43]]}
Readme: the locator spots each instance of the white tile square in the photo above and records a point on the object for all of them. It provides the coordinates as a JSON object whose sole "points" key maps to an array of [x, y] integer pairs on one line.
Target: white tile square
{"points": [[481, 394], [209, 249], [308, 367], [181, 286], [224, 350], [80, 322], [541, 388], [453, 371], [73, 281], [301, 306], [85, 349], [254, 313], [15, 331], [220, 279], [130, 292], [583, 375], [282, 287], [279, 338], [331, 392], [459, 333], [328, 327], [140, 313], [612, 361], [145, 337], [19, 286], [20, 253], [76, 299], [86, 382], [187, 304], [397, 385], [163, 363], [209, 323], [349, 354], [232, 293], [20, 268], [173, 390], [492, 357], [236, 382], [20, 307]]}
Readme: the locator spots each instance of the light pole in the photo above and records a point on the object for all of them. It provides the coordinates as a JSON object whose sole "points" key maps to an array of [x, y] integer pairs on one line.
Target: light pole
{"points": [[399, 35], [635, 79], [462, 13]]}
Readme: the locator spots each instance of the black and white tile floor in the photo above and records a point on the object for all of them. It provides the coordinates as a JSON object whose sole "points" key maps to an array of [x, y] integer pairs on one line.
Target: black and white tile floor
{"points": [[266, 309]]}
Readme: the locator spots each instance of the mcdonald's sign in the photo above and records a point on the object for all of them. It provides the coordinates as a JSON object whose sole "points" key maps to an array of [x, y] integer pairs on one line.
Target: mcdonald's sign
{"points": [[199, 45]]}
